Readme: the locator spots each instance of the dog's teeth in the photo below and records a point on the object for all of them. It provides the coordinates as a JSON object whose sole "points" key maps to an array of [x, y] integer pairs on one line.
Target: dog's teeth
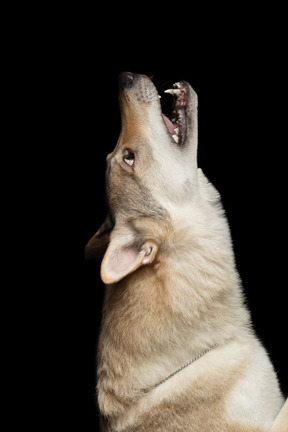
{"points": [[159, 96], [176, 130], [176, 138], [177, 85], [174, 92]]}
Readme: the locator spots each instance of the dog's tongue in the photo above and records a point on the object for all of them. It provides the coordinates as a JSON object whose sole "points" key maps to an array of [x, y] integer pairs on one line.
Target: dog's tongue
{"points": [[169, 124]]}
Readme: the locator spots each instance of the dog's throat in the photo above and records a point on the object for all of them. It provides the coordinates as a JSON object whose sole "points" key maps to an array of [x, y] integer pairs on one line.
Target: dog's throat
{"points": [[147, 390]]}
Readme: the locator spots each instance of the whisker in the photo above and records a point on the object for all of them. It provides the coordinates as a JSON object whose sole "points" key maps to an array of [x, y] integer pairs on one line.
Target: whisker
{"points": [[164, 84]]}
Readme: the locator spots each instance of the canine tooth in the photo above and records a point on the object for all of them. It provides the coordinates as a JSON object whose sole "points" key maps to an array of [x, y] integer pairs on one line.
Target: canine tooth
{"points": [[159, 96], [174, 92], [176, 130], [177, 84], [176, 138]]}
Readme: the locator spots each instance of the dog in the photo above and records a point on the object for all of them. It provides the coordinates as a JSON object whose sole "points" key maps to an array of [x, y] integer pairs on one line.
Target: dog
{"points": [[177, 351]]}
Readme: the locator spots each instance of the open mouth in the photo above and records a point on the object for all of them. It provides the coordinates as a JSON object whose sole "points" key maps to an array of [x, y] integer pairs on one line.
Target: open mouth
{"points": [[177, 122]]}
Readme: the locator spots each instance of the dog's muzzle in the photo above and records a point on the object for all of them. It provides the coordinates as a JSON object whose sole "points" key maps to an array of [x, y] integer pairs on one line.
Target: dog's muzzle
{"points": [[176, 123]]}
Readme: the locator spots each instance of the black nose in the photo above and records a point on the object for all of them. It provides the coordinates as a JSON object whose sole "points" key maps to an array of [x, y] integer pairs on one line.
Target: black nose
{"points": [[126, 79]]}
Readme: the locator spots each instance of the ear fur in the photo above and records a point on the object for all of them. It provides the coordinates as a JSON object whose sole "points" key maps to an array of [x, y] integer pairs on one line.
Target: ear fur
{"points": [[126, 254], [97, 245]]}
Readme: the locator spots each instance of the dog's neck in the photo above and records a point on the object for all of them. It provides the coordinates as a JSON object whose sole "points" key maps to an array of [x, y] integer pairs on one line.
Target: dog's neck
{"points": [[147, 322], [147, 390]]}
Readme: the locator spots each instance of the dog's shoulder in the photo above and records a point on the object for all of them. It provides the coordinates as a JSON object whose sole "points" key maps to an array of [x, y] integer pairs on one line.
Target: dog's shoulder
{"points": [[219, 384]]}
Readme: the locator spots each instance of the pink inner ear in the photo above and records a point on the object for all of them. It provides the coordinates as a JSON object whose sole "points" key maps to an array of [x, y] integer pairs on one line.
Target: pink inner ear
{"points": [[122, 260]]}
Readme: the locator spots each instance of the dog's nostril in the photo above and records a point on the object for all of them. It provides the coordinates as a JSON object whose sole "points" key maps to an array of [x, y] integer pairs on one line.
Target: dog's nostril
{"points": [[126, 79]]}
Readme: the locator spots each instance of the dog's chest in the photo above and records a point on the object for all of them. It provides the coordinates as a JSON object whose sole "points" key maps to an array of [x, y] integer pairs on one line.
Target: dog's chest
{"points": [[195, 410]]}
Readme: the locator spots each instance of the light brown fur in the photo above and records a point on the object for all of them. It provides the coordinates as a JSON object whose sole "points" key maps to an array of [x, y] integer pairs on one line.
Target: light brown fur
{"points": [[172, 289], [281, 422]]}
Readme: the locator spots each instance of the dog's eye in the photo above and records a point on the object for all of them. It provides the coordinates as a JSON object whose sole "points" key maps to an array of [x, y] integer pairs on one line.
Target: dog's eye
{"points": [[129, 158]]}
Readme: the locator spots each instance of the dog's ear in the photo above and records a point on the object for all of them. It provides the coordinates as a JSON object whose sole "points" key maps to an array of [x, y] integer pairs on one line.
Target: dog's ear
{"points": [[125, 254], [97, 245]]}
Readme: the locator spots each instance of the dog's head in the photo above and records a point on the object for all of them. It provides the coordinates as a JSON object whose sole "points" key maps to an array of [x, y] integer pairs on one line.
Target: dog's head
{"points": [[151, 173]]}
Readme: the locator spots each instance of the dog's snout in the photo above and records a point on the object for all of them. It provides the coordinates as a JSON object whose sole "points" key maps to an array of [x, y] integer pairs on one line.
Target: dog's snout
{"points": [[126, 79]]}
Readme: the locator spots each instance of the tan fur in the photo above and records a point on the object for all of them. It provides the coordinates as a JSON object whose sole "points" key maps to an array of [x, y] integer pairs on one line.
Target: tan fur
{"points": [[172, 289], [281, 422]]}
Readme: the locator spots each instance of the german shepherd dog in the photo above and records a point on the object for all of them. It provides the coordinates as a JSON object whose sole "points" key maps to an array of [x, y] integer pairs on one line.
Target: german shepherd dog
{"points": [[177, 351]]}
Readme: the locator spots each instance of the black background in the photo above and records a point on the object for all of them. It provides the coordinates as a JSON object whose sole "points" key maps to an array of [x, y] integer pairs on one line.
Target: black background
{"points": [[238, 74]]}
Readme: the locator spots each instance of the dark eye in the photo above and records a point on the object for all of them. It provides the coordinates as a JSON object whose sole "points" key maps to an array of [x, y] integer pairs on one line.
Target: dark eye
{"points": [[129, 158]]}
